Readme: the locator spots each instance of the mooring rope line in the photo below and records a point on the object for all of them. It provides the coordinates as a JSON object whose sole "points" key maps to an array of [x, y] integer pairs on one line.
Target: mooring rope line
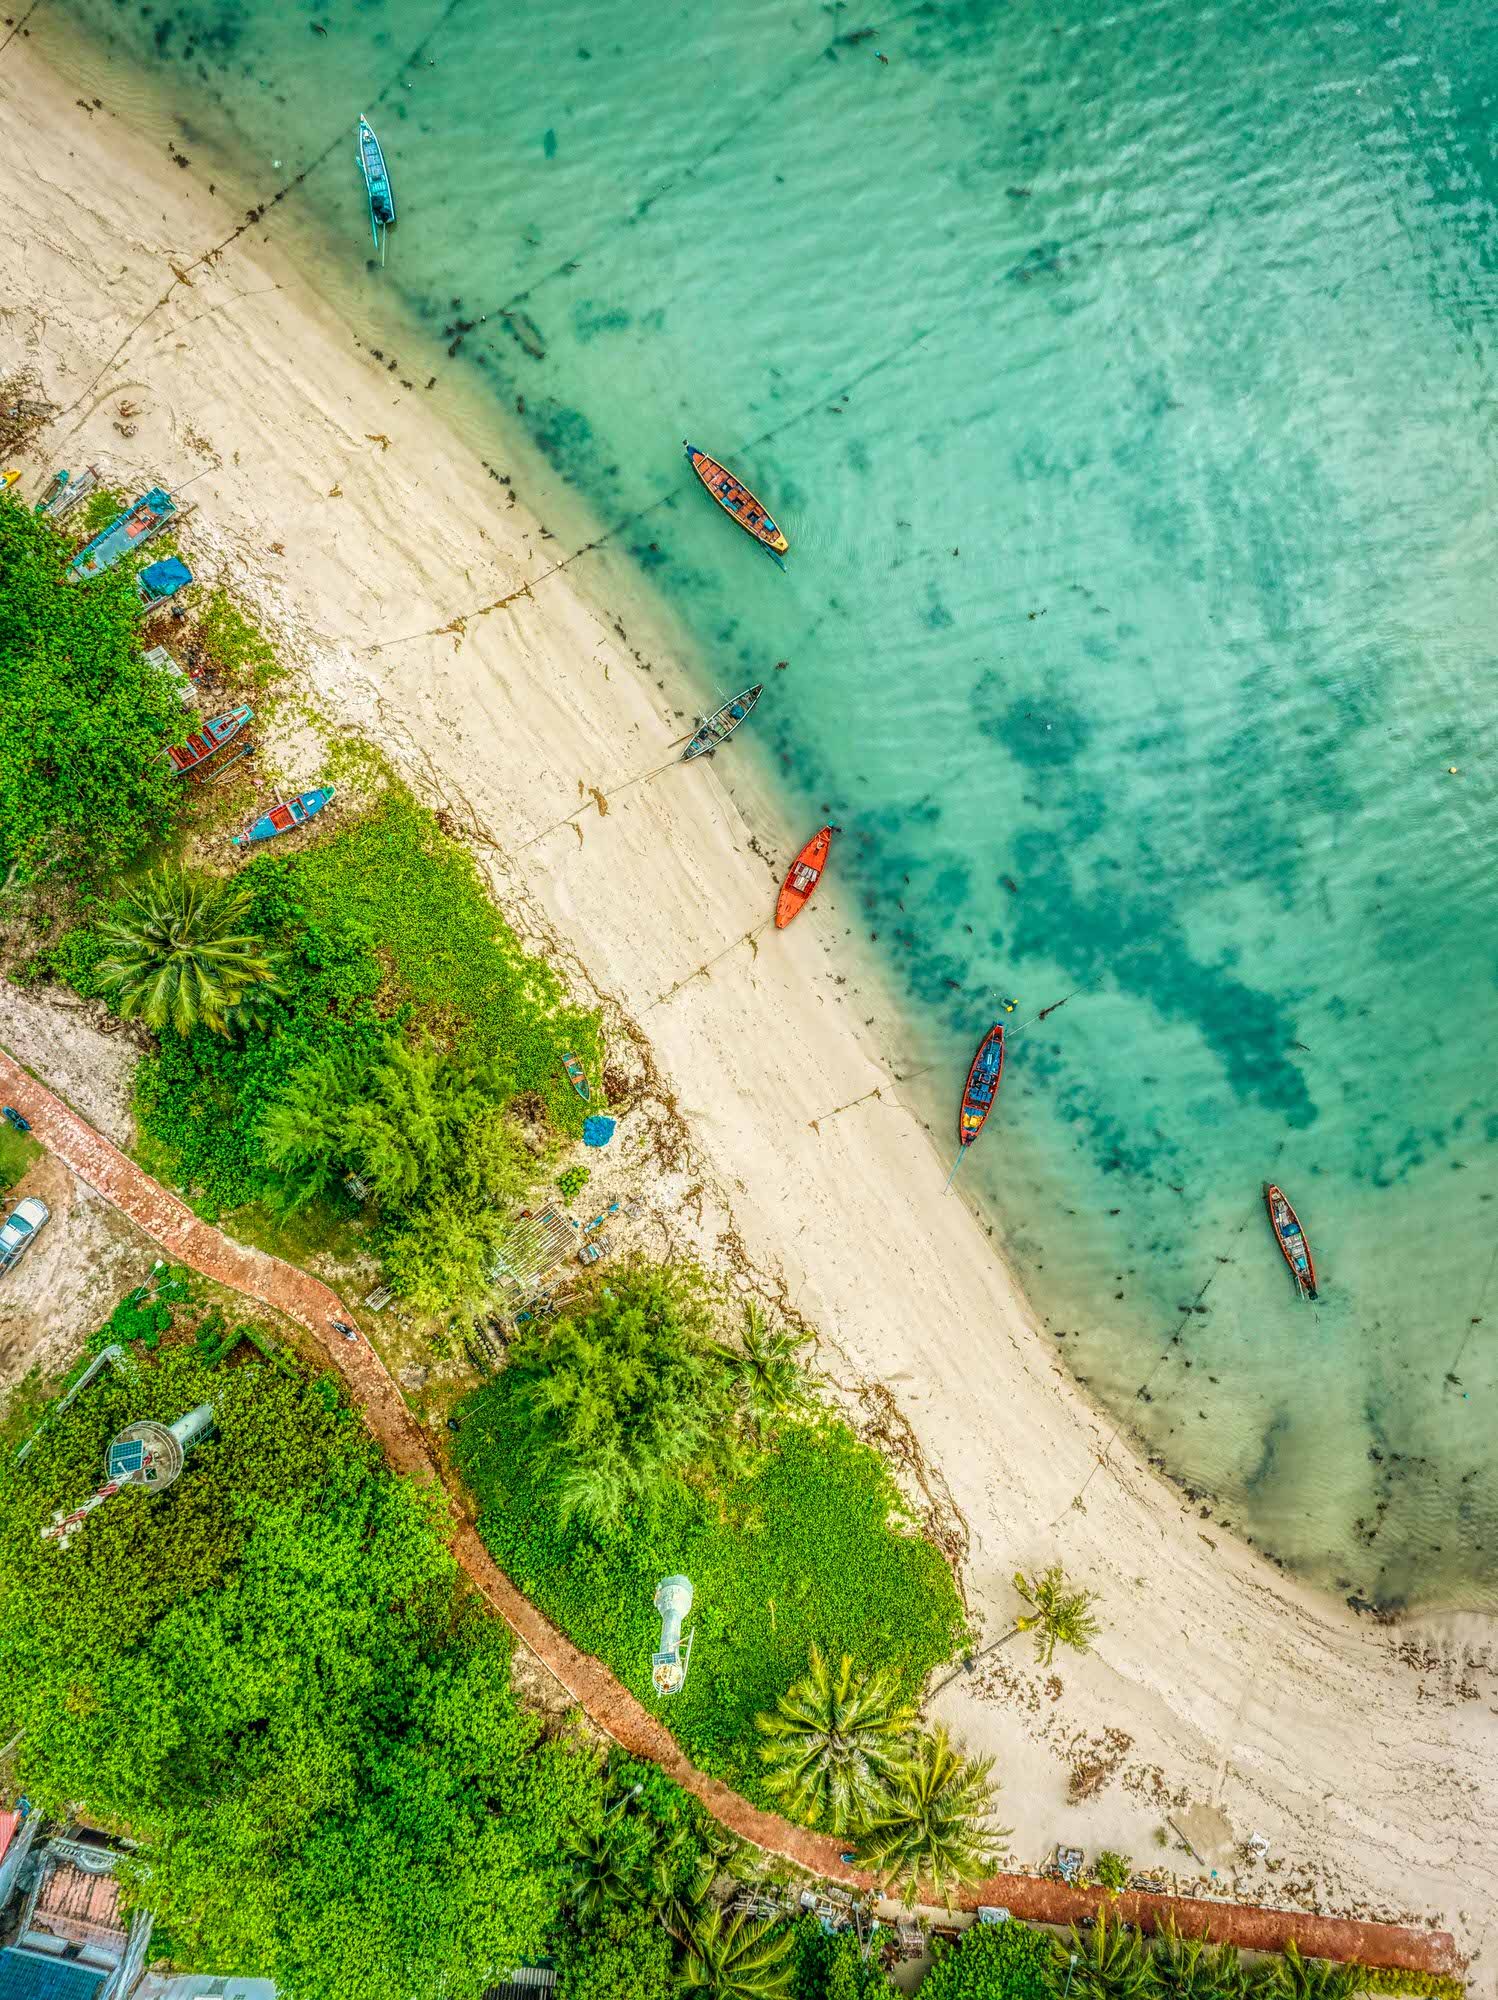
{"points": [[1100, 1459]]}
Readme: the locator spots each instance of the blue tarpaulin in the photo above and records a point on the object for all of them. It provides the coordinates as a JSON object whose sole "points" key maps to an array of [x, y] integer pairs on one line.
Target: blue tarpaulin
{"points": [[163, 579], [597, 1131]]}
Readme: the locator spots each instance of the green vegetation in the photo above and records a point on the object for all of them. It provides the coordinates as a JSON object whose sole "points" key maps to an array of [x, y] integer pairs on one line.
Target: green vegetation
{"points": [[357, 1006], [1013, 1961], [1295, 1978], [271, 1676], [618, 1403], [805, 1544], [834, 1968], [571, 1182], [833, 1744], [1194, 1969], [238, 649], [99, 508], [176, 953], [932, 1830], [17, 1151], [734, 1958], [1111, 1870], [768, 1379], [84, 788], [997, 1962], [1062, 1615]]}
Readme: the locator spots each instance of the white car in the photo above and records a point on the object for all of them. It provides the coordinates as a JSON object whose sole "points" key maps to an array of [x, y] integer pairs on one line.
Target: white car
{"points": [[19, 1227]]}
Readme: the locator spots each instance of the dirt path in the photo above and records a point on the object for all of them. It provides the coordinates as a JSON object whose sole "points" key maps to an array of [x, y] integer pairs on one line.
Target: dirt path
{"points": [[312, 1305]]}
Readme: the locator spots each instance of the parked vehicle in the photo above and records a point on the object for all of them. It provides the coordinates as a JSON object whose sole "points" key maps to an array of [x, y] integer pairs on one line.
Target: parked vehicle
{"points": [[20, 1227]]}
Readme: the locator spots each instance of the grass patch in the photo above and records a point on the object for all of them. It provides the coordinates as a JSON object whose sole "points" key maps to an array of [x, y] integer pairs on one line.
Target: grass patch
{"points": [[235, 647], [17, 1151], [811, 1544]]}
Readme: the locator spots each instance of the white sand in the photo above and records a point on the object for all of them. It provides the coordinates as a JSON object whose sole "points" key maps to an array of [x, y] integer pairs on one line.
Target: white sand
{"points": [[1367, 1755]]}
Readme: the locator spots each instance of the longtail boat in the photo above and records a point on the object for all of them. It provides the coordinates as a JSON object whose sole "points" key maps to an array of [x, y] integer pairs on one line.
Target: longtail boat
{"points": [[65, 492], [982, 1085], [719, 726], [127, 531], [734, 497], [288, 813], [200, 746], [576, 1076], [376, 185], [1291, 1238], [806, 872]]}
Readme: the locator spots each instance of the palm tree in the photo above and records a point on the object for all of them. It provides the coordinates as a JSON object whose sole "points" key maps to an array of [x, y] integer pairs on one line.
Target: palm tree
{"points": [[598, 1872], [1112, 1962], [932, 1829], [734, 1958], [177, 953], [765, 1370], [1295, 1978], [1194, 1969], [1062, 1616], [834, 1743]]}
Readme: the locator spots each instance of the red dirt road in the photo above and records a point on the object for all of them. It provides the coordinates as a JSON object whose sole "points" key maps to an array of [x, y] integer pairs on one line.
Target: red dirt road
{"points": [[311, 1304]]}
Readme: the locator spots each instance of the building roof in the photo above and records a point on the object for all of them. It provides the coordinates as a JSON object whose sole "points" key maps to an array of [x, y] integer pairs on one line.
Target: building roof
{"points": [[527, 1982], [80, 1906], [30, 1975], [9, 1821]]}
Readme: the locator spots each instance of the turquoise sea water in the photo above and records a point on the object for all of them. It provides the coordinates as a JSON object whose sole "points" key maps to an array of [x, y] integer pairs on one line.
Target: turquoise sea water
{"points": [[1125, 380]]}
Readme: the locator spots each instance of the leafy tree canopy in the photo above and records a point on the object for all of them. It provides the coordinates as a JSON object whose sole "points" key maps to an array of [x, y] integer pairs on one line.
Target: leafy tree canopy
{"points": [[270, 1675], [995, 1962], [622, 1399], [84, 787]]}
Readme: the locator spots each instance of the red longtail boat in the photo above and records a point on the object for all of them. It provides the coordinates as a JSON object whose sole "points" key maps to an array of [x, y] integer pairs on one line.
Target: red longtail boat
{"points": [[201, 745], [1291, 1238], [982, 1085], [806, 872], [734, 497]]}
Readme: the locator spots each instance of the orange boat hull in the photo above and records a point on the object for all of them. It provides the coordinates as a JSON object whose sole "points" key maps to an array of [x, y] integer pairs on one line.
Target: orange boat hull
{"points": [[806, 871]]}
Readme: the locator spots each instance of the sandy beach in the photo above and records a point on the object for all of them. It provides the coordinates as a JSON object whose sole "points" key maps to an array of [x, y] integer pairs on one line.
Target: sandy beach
{"points": [[1366, 1754]]}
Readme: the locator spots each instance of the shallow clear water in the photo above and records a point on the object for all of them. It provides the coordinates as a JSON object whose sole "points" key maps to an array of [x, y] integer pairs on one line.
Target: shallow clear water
{"points": [[1125, 381]]}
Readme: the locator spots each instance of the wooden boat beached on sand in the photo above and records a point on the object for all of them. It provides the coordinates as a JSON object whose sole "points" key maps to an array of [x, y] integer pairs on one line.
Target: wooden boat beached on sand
{"points": [[806, 872], [734, 497], [288, 813], [202, 744], [1291, 1238], [720, 725], [576, 1076], [982, 1085]]}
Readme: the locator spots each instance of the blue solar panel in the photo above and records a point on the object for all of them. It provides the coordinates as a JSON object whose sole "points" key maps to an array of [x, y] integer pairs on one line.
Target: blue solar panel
{"points": [[126, 1455], [28, 1975]]}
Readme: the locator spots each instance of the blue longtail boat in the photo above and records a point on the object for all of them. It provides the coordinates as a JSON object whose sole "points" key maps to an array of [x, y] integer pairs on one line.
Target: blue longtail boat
{"points": [[377, 185], [720, 725], [288, 813], [127, 531]]}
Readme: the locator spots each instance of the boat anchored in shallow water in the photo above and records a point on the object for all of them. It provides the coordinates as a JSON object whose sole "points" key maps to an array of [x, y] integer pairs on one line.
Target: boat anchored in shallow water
{"points": [[720, 725], [376, 185], [1291, 1238], [982, 1086], [734, 497]]}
